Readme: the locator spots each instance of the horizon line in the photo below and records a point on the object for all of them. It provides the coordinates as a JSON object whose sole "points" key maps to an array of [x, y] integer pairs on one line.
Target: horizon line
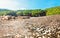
{"points": [[29, 8]]}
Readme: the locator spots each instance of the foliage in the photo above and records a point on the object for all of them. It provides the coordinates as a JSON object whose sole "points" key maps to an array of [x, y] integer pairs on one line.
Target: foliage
{"points": [[19, 13], [36, 12], [53, 11], [32, 12]]}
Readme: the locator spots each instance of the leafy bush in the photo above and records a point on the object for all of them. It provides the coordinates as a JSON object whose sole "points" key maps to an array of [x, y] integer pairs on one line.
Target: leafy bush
{"points": [[53, 11]]}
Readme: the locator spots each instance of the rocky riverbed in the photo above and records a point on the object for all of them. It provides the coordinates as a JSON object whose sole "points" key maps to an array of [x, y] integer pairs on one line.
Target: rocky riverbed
{"points": [[33, 27]]}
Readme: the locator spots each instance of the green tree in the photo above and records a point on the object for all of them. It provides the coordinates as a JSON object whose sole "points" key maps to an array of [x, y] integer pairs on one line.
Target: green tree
{"points": [[19, 13], [36, 12], [53, 11]]}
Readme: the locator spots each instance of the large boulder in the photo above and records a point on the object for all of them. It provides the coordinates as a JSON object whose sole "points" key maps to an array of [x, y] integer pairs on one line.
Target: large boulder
{"points": [[8, 17], [23, 17]]}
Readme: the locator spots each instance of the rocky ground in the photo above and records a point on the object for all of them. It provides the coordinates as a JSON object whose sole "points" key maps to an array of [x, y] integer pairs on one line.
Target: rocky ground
{"points": [[33, 27]]}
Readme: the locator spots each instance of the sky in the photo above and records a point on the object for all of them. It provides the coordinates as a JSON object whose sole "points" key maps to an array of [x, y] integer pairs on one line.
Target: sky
{"points": [[28, 4]]}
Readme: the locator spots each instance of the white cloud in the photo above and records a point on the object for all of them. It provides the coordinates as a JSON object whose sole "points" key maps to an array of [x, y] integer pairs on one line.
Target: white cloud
{"points": [[13, 4], [8, 4]]}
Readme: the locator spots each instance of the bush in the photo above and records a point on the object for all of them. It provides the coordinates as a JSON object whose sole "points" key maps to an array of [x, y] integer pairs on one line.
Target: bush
{"points": [[53, 11]]}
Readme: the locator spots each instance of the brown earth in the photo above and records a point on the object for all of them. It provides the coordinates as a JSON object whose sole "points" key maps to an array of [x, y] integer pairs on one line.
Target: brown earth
{"points": [[32, 27]]}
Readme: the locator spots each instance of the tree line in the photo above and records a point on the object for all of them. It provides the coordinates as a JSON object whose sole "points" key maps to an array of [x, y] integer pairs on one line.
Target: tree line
{"points": [[32, 12]]}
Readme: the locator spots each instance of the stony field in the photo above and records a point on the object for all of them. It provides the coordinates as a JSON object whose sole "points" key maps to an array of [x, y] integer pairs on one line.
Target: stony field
{"points": [[30, 27]]}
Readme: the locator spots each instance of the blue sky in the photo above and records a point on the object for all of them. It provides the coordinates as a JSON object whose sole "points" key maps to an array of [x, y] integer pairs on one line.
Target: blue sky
{"points": [[28, 4]]}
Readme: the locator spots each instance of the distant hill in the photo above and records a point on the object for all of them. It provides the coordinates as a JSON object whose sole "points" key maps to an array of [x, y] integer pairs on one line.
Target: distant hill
{"points": [[53, 10], [4, 10], [32, 12]]}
